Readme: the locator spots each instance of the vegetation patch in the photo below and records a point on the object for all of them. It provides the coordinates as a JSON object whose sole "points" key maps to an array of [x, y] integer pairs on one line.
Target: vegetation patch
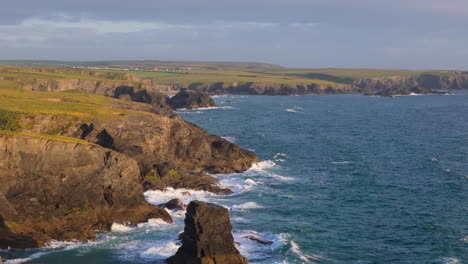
{"points": [[152, 177], [9, 121], [174, 174]]}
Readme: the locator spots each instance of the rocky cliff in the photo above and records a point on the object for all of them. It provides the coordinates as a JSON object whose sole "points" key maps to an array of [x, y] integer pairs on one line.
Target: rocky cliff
{"points": [[207, 237], [64, 189], [190, 100], [170, 152], [424, 83], [268, 88]]}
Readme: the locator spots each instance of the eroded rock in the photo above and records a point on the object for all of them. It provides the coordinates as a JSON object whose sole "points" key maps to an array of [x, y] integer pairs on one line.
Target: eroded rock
{"points": [[207, 237], [62, 190]]}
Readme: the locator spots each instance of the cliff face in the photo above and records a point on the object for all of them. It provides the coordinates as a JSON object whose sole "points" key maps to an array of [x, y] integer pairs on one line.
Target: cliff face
{"points": [[64, 190], [153, 139], [174, 152], [268, 88], [454, 81]]}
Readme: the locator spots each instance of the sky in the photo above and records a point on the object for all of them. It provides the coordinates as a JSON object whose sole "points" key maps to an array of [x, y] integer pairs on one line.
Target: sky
{"points": [[405, 34]]}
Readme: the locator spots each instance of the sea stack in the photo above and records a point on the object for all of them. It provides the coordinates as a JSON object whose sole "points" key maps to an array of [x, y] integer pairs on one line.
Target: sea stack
{"points": [[207, 237]]}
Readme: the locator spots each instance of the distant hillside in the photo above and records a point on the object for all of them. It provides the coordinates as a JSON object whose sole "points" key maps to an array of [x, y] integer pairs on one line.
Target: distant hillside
{"points": [[143, 64], [224, 79]]}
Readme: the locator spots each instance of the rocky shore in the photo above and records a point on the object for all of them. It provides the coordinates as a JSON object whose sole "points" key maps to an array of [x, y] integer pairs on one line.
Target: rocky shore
{"points": [[65, 190], [64, 176]]}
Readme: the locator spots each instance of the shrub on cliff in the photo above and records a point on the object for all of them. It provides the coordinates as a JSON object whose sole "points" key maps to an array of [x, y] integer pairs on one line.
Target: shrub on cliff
{"points": [[9, 121]]}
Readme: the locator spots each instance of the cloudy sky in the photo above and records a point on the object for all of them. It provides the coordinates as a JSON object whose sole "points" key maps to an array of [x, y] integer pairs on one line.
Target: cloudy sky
{"points": [[429, 34]]}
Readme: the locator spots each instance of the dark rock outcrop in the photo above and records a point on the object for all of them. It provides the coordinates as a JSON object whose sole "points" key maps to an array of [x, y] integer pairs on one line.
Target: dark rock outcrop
{"points": [[174, 204], [207, 237], [63, 190], [190, 100], [156, 99]]}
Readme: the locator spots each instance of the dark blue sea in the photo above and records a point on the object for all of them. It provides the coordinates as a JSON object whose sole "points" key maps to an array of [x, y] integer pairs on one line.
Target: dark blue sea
{"points": [[344, 179]]}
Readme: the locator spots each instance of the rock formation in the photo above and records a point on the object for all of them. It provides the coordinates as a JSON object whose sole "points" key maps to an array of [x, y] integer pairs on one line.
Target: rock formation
{"points": [[421, 84], [64, 189], [170, 151], [174, 204], [190, 100], [207, 237]]}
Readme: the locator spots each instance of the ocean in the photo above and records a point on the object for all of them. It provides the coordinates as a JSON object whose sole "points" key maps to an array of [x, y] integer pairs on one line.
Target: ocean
{"points": [[343, 179]]}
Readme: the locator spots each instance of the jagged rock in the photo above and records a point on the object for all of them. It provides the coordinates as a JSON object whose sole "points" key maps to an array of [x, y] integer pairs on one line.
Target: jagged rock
{"points": [[207, 237], [156, 99], [260, 241], [63, 190], [174, 204], [190, 100]]}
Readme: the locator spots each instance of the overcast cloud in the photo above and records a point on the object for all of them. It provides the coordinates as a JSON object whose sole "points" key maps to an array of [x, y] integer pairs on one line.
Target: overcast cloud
{"points": [[296, 33]]}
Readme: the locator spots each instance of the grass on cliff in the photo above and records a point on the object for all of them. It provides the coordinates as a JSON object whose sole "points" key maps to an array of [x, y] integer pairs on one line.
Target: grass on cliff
{"points": [[347, 75], [32, 73], [72, 103], [9, 121], [234, 76], [144, 74], [49, 137]]}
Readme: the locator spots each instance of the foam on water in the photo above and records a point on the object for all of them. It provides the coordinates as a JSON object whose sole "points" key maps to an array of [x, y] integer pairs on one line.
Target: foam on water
{"points": [[166, 250], [155, 223], [160, 197], [23, 260], [247, 205], [448, 260], [185, 110], [341, 162], [263, 165], [254, 250], [230, 139], [280, 157], [121, 228]]}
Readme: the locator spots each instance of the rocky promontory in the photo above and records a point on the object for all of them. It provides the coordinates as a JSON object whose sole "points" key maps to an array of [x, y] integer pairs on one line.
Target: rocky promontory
{"points": [[63, 189], [207, 237], [190, 100]]}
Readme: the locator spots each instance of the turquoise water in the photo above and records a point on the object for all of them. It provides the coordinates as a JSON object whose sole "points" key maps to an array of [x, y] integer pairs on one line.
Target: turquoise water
{"points": [[344, 179]]}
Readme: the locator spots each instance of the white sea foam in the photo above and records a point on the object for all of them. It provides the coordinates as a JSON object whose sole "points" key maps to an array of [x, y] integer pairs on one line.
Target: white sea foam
{"points": [[263, 165], [62, 245], [185, 110], [247, 205], [255, 250], [230, 139], [295, 109], [160, 197], [121, 228], [341, 162], [448, 260], [155, 222], [165, 250], [23, 260], [280, 157], [193, 112], [307, 258]]}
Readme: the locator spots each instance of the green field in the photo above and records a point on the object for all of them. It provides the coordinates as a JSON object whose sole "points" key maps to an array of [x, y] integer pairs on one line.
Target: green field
{"points": [[145, 74]]}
